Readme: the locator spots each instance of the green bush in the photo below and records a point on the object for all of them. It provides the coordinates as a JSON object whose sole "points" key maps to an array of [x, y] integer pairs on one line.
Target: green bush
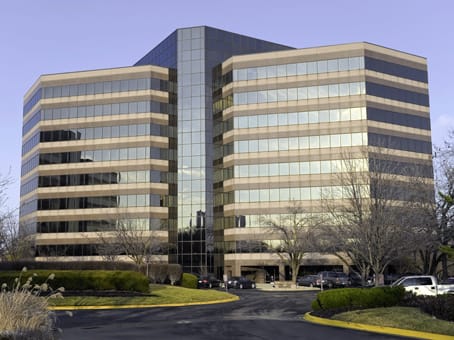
{"points": [[67, 265], [440, 306], [189, 280], [358, 298], [89, 280]]}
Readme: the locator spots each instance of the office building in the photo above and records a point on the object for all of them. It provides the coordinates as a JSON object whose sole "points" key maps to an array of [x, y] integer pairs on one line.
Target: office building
{"points": [[204, 135]]}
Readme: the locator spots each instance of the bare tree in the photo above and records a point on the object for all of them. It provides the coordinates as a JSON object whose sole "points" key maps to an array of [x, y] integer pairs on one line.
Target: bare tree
{"points": [[444, 173], [369, 227], [296, 233], [15, 244], [136, 242]]}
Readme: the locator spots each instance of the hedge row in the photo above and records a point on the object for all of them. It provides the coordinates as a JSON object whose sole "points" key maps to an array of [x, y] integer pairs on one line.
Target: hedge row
{"points": [[440, 306], [358, 298], [98, 280], [66, 265]]}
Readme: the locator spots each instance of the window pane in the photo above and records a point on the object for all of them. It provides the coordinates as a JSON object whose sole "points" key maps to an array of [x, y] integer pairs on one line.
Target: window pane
{"points": [[322, 66], [333, 65], [301, 68]]}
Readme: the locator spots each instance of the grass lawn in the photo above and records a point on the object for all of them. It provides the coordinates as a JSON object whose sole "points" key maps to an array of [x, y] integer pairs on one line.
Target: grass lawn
{"points": [[160, 294], [398, 317]]}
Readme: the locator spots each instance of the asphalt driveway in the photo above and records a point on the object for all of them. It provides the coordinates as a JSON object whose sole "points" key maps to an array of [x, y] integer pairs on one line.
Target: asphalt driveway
{"points": [[257, 315]]}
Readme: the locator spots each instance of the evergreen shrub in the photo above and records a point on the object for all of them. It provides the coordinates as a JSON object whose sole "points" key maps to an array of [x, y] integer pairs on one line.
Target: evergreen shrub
{"points": [[189, 280]]}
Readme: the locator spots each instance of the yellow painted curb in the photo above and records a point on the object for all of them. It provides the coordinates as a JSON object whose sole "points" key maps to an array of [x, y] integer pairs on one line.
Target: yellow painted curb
{"points": [[376, 329], [234, 298]]}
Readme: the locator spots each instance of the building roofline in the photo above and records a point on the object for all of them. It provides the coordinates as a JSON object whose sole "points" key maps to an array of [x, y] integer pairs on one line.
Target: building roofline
{"points": [[49, 76]]}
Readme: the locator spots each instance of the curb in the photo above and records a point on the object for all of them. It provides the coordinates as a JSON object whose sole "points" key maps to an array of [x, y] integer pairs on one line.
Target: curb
{"points": [[376, 329], [68, 308]]}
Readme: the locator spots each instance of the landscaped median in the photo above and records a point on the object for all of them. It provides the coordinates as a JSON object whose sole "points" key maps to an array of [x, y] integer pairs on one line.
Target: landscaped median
{"points": [[367, 327], [160, 296], [380, 310]]}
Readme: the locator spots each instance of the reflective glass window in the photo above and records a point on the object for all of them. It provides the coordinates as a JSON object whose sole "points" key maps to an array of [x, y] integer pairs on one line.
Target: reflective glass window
{"points": [[302, 93], [335, 141], [323, 91], [292, 94], [316, 193], [324, 141], [333, 65], [325, 167], [272, 96], [261, 72], [304, 142], [356, 139], [264, 195], [311, 67], [273, 169], [322, 66], [355, 113], [283, 169], [294, 168], [323, 116], [284, 194], [354, 63], [312, 92], [263, 145], [346, 140], [313, 117], [253, 146], [315, 167], [293, 143], [345, 114], [344, 89], [281, 70], [294, 194], [301, 68], [262, 96], [314, 141], [333, 90], [291, 70], [271, 71]]}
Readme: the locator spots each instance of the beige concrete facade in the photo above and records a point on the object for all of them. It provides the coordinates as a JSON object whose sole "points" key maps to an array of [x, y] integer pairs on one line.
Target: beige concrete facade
{"points": [[78, 232], [238, 261]]}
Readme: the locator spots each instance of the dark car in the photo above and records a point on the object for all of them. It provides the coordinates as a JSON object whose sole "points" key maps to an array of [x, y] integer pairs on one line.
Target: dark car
{"points": [[207, 281], [449, 280], [334, 279], [240, 282], [309, 281]]}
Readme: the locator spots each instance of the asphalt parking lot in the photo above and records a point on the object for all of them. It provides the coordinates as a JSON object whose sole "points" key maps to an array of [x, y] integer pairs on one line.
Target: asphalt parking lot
{"points": [[257, 315]]}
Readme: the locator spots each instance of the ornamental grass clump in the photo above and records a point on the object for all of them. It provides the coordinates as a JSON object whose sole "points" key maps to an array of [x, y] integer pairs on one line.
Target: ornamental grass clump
{"points": [[23, 309]]}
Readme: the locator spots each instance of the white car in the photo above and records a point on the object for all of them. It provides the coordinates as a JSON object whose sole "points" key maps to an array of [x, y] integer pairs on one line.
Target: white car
{"points": [[423, 285]]}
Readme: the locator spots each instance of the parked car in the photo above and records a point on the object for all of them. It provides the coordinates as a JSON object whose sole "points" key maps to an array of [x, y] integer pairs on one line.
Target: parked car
{"points": [[449, 280], [424, 285], [309, 281], [240, 282], [207, 281], [334, 279]]}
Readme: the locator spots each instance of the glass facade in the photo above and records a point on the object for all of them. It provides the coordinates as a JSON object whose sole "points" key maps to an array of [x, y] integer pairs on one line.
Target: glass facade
{"points": [[194, 52]]}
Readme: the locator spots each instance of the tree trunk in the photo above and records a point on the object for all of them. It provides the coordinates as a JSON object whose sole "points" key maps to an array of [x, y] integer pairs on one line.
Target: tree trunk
{"points": [[444, 267], [295, 269]]}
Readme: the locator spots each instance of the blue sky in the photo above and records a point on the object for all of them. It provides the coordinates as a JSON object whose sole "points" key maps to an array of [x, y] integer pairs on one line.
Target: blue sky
{"points": [[42, 37]]}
